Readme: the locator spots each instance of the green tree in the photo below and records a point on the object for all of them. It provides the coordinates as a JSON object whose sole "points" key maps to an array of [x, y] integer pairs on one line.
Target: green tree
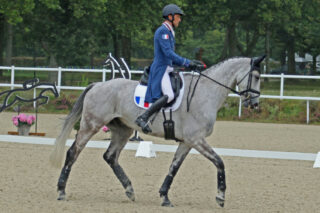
{"points": [[11, 13], [309, 30], [132, 24]]}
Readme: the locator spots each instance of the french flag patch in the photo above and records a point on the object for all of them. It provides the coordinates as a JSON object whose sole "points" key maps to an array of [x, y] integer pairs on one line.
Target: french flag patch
{"points": [[140, 102], [165, 36], [139, 95]]}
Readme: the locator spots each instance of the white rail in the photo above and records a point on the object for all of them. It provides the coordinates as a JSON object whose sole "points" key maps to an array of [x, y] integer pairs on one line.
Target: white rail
{"points": [[104, 71]]}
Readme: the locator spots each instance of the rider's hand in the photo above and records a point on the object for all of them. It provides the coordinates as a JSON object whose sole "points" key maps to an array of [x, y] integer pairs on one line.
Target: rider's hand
{"points": [[192, 65], [196, 65]]}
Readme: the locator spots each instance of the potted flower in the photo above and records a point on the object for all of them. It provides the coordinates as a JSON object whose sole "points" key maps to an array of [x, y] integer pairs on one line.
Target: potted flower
{"points": [[23, 122], [105, 129]]}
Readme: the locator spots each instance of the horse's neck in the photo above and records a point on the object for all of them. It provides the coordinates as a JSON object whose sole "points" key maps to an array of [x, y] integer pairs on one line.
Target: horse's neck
{"points": [[225, 73]]}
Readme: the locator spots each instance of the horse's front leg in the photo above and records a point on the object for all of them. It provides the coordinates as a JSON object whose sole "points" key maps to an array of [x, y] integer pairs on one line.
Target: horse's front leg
{"points": [[205, 149], [179, 156]]}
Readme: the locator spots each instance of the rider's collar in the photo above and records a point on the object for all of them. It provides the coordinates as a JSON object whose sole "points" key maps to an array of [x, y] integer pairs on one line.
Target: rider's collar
{"points": [[169, 27]]}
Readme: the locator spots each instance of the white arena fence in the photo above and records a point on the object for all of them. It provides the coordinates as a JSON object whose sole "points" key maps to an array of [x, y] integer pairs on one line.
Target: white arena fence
{"points": [[140, 72]]}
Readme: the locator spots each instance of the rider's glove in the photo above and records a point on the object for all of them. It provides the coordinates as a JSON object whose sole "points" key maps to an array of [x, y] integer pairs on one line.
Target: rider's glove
{"points": [[196, 65]]}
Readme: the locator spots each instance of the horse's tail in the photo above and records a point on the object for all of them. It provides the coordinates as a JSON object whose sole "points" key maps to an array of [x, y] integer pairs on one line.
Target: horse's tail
{"points": [[56, 156]]}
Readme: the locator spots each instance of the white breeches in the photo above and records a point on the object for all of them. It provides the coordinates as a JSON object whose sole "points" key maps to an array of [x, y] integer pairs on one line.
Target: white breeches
{"points": [[166, 84]]}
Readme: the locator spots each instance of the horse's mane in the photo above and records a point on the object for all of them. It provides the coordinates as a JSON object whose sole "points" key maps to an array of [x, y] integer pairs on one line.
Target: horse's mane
{"points": [[224, 61]]}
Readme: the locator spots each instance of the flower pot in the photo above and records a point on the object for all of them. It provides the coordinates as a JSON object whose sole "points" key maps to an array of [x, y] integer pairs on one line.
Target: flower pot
{"points": [[24, 129]]}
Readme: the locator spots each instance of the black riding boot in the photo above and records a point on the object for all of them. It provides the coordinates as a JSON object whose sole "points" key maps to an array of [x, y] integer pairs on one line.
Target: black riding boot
{"points": [[142, 120]]}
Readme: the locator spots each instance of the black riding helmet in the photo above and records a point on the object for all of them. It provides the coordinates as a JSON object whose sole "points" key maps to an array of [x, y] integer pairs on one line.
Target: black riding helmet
{"points": [[171, 9]]}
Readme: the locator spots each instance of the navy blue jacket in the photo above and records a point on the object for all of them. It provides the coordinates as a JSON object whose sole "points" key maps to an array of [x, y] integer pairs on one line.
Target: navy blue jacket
{"points": [[164, 56]]}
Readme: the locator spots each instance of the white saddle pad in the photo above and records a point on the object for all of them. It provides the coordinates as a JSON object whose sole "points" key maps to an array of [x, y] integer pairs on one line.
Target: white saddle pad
{"points": [[140, 93]]}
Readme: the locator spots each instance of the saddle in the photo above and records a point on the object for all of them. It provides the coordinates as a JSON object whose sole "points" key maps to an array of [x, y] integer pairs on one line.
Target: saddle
{"points": [[176, 83]]}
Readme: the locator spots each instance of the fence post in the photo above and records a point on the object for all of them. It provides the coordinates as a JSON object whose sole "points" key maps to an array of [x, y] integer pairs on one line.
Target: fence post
{"points": [[307, 111], [103, 74], [59, 79], [12, 77], [281, 85], [34, 97], [240, 103]]}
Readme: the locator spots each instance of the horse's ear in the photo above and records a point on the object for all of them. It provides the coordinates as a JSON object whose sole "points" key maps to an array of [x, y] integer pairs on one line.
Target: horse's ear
{"points": [[258, 60]]}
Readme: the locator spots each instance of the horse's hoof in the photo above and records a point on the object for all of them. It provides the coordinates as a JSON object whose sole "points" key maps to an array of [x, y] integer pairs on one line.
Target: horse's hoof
{"points": [[220, 201], [130, 193], [166, 202], [62, 195]]}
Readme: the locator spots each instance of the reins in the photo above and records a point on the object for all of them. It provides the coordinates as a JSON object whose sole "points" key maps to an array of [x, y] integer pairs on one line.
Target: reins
{"points": [[241, 93]]}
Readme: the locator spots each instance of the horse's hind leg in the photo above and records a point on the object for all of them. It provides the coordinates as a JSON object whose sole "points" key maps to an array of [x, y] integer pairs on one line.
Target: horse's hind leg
{"points": [[179, 156], [119, 137], [206, 150], [80, 142]]}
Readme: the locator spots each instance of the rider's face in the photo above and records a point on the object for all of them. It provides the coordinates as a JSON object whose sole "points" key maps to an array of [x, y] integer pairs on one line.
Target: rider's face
{"points": [[177, 20]]}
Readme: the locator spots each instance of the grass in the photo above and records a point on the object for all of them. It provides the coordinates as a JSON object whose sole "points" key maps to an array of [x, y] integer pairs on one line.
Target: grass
{"points": [[272, 111]]}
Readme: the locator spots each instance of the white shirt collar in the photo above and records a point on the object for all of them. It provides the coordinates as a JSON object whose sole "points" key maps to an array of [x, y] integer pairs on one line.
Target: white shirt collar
{"points": [[169, 27]]}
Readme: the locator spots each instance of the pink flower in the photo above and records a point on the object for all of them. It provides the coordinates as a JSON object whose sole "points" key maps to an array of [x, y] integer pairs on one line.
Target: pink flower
{"points": [[23, 117], [105, 129], [15, 122], [33, 118], [29, 121]]}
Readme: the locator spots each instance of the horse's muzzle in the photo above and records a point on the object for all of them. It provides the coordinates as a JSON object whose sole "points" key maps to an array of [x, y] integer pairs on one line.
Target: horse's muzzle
{"points": [[253, 103]]}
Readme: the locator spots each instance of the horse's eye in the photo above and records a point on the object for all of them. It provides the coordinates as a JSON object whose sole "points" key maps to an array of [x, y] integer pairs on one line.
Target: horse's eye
{"points": [[257, 78]]}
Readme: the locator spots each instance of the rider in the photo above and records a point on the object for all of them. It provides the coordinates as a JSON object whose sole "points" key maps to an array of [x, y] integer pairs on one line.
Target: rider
{"points": [[159, 91]]}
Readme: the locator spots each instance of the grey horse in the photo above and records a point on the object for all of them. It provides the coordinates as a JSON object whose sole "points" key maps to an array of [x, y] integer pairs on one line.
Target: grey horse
{"points": [[111, 103]]}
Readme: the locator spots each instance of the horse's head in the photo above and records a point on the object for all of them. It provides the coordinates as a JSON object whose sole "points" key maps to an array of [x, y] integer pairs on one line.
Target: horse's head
{"points": [[248, 82]]}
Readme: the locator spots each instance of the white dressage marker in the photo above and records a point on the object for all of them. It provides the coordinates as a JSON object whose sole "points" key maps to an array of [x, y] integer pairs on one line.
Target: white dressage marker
{"points": [[146, 149], [317, 161]]}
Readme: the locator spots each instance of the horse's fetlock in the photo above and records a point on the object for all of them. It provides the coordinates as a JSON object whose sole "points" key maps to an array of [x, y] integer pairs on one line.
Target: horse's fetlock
{"points": [[222, 186], [163, 192], [61, 185]]}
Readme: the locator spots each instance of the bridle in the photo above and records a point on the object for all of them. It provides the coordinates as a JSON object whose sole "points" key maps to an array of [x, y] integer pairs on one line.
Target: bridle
{"points": [[245, 93]]}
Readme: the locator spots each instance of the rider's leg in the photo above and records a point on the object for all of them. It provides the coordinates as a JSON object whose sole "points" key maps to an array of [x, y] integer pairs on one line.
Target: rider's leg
{"points": [[168, 96], [142, 120]]}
